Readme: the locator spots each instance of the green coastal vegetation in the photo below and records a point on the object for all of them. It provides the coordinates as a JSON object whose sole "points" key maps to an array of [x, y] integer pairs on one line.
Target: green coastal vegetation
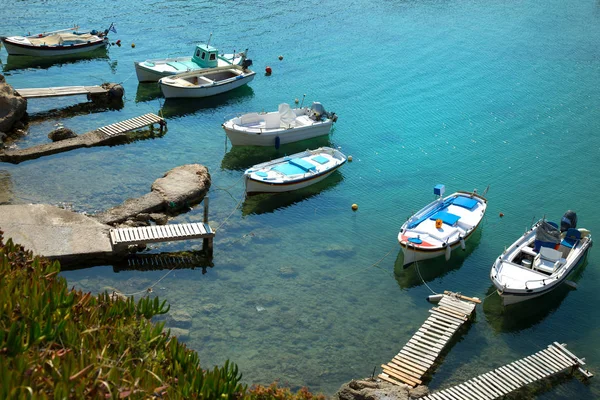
{"points": [[57, 342]]}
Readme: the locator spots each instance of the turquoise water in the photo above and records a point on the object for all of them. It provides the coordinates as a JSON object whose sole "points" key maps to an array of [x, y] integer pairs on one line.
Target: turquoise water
{"points": [[302, 289]]}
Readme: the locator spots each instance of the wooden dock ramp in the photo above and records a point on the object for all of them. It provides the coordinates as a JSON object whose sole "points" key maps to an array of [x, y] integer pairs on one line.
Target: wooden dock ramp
{"points": [[504, 380], [35, 93], [132, 124], [160, 233], [421, 351]]}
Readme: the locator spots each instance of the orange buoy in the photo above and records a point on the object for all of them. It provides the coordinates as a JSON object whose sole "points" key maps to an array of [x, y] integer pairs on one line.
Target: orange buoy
{"points": [[268, 70], [133, 45], [501, 215], [354, 207], [438, 223]]}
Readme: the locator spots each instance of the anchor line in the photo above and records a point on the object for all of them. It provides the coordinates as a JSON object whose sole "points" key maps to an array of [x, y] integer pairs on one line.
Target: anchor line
{"points": [[423, 280]]}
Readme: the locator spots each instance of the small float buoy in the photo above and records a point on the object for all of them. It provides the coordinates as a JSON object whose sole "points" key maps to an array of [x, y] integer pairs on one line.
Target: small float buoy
{"points": [[448, 252], [296, 100], [133, 45], [434, 298], [118, 42], [280, 58], [349, 158], [462, 243], [277, 142], [354, 207], [501, 215], [268, 70]]}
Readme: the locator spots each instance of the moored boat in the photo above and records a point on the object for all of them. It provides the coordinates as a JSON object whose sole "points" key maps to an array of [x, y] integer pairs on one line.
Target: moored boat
{"points": [[207, 82], [540, 260], [205, 56], [57, 43], [293, 172], [286, 125], [442, 226]]}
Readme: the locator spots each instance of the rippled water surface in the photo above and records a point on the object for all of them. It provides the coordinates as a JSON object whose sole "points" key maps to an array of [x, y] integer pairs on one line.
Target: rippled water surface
{"points": [[302, 289]]}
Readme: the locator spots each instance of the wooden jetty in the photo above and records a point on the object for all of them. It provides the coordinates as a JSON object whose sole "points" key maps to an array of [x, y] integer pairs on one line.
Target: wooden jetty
{"points": [[120, 237], [36, 93], [419, 354], [105, 135], [504, 380], [132, 124]]}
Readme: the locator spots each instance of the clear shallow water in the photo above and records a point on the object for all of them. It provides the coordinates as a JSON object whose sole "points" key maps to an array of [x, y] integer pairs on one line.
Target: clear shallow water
{"points": [[461, 93]]}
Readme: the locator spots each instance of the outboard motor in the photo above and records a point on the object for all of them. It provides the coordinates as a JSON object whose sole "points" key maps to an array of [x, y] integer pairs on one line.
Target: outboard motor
{"points": [[569, 220], [317, 111], [246, 63]]}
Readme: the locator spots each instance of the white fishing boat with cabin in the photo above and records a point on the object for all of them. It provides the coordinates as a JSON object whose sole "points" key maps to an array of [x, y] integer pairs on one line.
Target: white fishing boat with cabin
{"points": [[205, 56], [286, 125], [441, 226], [540, 260], [57, 43], [293, 172], [206, 82]]}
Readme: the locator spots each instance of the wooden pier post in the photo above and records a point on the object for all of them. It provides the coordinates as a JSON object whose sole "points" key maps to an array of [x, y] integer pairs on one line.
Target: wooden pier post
{"points": [[208, 242]]}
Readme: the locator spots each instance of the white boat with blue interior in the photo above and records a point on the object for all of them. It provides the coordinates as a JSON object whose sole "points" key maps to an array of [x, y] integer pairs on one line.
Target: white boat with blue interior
{"points": [[293, 172], [441, 226], [540, 260]]}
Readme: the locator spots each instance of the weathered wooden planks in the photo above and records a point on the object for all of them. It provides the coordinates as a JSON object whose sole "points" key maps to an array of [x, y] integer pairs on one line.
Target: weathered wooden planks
{"points": [[34, 93], [131, 124], [160, 233], [508, 378], [420, 352]]}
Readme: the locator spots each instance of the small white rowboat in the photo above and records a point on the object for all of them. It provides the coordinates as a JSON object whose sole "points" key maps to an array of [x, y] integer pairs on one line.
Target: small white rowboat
{"points": [[293, 172], [203, 83]]}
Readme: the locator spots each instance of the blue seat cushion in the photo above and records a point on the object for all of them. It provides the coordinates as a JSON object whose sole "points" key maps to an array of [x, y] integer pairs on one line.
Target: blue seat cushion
{"points": [[320, 159], [465, 202], [289, 169], [446, 217], [262, 174], [415, 240], [571, 237], [302, 163]]}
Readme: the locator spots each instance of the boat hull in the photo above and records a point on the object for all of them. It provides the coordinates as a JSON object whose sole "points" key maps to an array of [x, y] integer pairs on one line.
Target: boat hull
{"points": [[269, 138], [50, 51], [148, 75], [513, 297], [162, 69], [172, 91], [255, 187]]}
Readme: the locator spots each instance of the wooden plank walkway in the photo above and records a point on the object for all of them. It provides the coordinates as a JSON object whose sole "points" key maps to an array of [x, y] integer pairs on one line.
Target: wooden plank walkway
{"points": [[160, 233], [421, 351], [504, 380], [132, 124], [35, 93]]}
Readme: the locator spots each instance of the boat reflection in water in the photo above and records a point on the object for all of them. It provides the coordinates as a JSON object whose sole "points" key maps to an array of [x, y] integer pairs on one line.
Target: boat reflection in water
{"points": [[240, 158], [524, 315], [180, 107], [147, 92], [270, 202], [15, 63], [427, 270]]}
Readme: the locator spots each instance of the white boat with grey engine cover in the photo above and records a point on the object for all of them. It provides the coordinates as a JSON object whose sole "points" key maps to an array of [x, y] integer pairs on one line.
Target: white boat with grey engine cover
{"points": [[286, 125], [293, 172], [441, 226], [540, 260]]}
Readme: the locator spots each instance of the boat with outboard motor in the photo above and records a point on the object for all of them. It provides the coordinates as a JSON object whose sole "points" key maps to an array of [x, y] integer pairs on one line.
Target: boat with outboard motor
{"points": [[57, 43], [293, 172], [441, 226], [205, 56], [286, 125], [540, 260]]}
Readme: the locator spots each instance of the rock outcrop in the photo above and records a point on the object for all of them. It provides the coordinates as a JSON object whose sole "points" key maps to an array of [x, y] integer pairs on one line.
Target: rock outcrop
{"points": [[369, 389], [12, 107], [61, 133], [176, 191]]}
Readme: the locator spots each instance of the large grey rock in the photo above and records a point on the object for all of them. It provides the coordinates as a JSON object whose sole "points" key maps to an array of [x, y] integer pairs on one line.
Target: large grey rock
{"points": [[175, 191], [12, 106], [378, 390], [61, 133]]}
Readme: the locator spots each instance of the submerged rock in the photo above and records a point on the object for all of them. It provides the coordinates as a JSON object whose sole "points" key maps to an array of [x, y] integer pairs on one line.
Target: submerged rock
{"points": [[61, 133]]}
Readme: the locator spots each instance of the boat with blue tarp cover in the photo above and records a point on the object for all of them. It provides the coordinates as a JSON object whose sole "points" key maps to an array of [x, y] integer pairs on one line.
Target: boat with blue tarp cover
{"points": [[205, 56], [540, 260], [293, 172], [441, 226]]}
